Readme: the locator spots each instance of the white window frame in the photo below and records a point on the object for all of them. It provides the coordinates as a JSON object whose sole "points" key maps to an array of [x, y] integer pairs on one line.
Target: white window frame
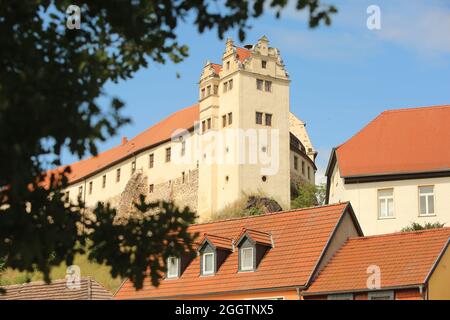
{"points": [[204, 271], [427, 205], [340, 296], [247, 268], [386, 198], [171, 275]]}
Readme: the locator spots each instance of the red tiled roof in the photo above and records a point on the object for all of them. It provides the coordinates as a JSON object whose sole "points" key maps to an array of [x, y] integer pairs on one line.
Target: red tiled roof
{"points": [[183, 119], [218, 241], [241, 54], [257, 236], [57, 290], [404, 259], [399, 141], [299, 235]]}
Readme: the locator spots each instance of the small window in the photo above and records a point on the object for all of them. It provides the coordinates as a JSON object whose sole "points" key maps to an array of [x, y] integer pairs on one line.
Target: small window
{"points": [[80, 191], [268, 119], [118, 175], [216, 89], [227, 178], [183, 148], [203, 93], [295, 162], [263, 64], [104, 181], [203, 126], [230, 118], [426, 200], [230, 84], [386, 203], [225, 86], [259, 117], [151, 160], [133, 167], [183, 176], [208, 263], [309, 173], [264, 178], [168, 154], [151, 188], [259, 84], [381, 295], [172, 267], [268, 86], [342, 296], [246, 259], [303, 167], [208, 90], [228, 65], [90, 187], [224, 121], [209, 123]]}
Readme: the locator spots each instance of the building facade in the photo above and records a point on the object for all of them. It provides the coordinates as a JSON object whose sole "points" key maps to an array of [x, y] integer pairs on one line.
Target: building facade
{"points": [[239, 139], [396, 170]]}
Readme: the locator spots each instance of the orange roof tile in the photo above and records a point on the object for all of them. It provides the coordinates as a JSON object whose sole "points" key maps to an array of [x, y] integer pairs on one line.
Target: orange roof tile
{"points": [[218, 241], [241, 53], [300, 237], [399, 141], [183, 119], [257, 236], [404, 259]]}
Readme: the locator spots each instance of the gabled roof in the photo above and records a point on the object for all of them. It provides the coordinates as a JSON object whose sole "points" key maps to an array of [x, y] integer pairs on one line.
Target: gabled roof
{"points": [[260, 237], [300, 237], [56, 290], [241, 54], [160, 132], [398, 142], [404, 259], [217, 241]]}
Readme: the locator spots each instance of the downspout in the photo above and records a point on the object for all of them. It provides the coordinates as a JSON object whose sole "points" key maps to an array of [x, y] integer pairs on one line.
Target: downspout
{"points": [[299, 293]]}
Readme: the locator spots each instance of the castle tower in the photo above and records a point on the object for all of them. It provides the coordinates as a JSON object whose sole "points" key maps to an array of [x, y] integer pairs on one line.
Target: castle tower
{"points": [[244, 119]]}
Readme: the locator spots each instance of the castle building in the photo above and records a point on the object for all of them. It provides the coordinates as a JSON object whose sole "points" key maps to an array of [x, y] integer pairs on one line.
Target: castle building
{"points": [[239, 139], [396, 170]]}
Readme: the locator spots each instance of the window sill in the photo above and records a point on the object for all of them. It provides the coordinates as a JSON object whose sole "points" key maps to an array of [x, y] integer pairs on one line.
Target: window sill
{"points": [[386, 218], [171, 278], [246, 271], [427, 215]]}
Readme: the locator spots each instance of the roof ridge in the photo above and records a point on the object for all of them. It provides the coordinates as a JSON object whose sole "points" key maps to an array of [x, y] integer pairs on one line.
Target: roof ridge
{"points": [[401, 233], [271, 213], [443, 106]]}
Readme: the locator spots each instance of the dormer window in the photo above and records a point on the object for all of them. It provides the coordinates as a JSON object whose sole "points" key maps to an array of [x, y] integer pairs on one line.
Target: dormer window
{"points": [[253, 246], [208, 263], [246, 259], [173, 267]]}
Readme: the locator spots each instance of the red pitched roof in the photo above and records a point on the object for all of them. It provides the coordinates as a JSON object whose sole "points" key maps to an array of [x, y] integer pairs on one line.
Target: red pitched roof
{"points": [[299, 235], [399, 141], [183, 119], [257, 236], [241, 54], [404, 259], [218, 241]]}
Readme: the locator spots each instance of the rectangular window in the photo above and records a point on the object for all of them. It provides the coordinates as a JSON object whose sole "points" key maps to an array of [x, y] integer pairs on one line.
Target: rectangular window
{"points": [[295, 162], [263, 64], [309, 173], [342, 296], [183, 176], [208, 263], [386, 203], [172, 267], [225, 86], [183, 148], [168, 154], [268, 86], [208, 90], [268, 119], [259, 117], [426, 200], [224, 121], [303, 167], [151, 160], [381, 295], [259, 84], [230, 118], [216, 89], [203, 93], [228, 65], [104, 181], [90, 187], [133, 166], [246, 259], [209, 123], [230, 84], [151, 188], [203, 126], [118, 175], [80, 191]]}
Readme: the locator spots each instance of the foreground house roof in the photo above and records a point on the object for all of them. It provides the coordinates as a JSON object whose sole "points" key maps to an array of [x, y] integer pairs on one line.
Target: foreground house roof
{"points": [[299, 240], [398, 142], [405, 259], [56, 290]]}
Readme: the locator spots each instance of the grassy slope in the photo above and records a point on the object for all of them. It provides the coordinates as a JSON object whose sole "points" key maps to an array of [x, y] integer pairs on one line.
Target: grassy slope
{"points": [[88, 269]]}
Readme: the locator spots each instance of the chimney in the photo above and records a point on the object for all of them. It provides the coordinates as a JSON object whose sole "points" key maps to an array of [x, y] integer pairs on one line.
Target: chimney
{"points": [[124, 140]]}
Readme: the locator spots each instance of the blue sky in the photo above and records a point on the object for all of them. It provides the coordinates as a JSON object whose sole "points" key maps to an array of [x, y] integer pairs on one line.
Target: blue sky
{"points": [[342, 76]]}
